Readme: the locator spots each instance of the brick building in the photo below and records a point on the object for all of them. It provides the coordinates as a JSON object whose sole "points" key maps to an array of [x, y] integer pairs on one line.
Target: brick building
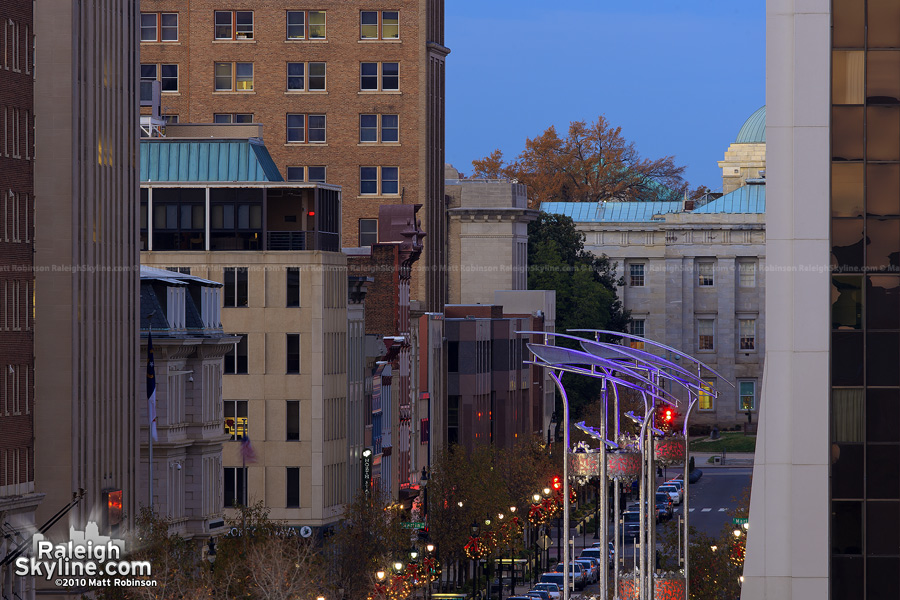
{"points": [[348, 94], [17, 498]]}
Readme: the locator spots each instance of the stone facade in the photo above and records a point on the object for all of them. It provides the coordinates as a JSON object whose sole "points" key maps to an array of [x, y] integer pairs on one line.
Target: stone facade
{"points": [[488, 238], [671, 303], [742, 161], [183, 313]]}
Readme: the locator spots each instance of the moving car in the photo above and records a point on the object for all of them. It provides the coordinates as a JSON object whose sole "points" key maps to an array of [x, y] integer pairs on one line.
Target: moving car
{"points": [[578, 573], [537, 595], [664, 505], [550, 588], [632, 524], [558, 579], [672, 491], [592, 571], [679, 484]]}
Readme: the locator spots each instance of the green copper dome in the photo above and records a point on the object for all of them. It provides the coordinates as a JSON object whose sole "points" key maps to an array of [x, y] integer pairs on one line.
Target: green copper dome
{"points": [[754, 129]]}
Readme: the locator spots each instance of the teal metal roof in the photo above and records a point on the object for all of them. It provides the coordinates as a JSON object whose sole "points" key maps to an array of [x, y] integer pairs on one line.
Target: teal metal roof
{"points": [[753, 131], [206, 160], [610, 212], [747, 199]]}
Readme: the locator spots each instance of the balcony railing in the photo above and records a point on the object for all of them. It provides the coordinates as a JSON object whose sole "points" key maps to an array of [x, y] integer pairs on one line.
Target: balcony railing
{"points": [[302, 240]]}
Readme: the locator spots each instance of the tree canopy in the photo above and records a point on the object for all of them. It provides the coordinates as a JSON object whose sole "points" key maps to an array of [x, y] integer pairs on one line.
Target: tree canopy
{"points": [[591, 162], [585, 288]]}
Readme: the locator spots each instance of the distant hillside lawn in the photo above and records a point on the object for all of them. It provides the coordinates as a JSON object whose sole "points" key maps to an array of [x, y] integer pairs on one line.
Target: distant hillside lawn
{"points": [[728, 441]]}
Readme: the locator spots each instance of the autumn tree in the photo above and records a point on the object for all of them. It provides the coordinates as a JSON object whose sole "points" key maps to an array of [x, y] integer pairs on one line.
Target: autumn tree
{"points": [[591, 162], [369, 538]]}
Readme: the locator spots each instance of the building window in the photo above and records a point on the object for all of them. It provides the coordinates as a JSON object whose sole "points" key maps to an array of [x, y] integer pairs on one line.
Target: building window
{"points": [[424, 431], [305, 129], [379, 128], [306, 77], [166, 74], [705, 274], [170, 119], [637, 275], [747, 390], [368, 232], [706, 334], [376, 181], [159, 27], [236, 424], [747, 274], [308, 174], [236, 357], [315, 174], [293, 286], [233, 118], [705, 397], [293, 420], [637, 328], [747, 334], [234, 25], [306, 24], [292, 480], [235, 487], [384, 76], [379, 25], [236, 287], [293, 353], [234, 77]]}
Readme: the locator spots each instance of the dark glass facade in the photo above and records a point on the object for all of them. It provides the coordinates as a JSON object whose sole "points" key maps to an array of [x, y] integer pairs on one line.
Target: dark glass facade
{"points": [[865, 294]]}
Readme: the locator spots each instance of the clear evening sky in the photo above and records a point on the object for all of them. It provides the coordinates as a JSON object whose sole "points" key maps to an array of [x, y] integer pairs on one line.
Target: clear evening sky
{"points": [[679, 76]]}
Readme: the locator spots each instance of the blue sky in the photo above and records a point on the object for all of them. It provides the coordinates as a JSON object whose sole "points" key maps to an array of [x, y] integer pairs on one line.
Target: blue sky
{"points": [[680, 78]]}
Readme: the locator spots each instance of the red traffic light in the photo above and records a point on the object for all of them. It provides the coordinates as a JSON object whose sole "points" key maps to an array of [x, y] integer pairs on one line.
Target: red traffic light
{"points": [[557, 484], [668, 415]]}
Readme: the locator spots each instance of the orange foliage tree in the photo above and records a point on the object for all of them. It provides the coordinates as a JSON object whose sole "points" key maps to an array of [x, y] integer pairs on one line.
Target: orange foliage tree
{"points": [[592, 162]]}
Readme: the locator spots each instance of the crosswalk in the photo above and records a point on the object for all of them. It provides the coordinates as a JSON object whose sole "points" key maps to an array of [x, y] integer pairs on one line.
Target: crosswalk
{"points": [[704, 510]]}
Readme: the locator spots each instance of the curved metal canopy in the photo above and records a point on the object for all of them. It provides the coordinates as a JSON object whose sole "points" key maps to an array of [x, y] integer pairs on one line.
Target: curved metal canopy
{"points": [[566, 359]]}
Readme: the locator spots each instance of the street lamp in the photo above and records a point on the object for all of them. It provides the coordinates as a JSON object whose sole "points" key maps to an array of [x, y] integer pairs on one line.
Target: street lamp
{"points": [[211, 552], [380, 574], [398, 566]]}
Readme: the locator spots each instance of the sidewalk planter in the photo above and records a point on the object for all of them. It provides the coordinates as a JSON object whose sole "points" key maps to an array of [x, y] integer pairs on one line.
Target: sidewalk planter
{"points": [[623, 466], [668, 586], [669, 451]]}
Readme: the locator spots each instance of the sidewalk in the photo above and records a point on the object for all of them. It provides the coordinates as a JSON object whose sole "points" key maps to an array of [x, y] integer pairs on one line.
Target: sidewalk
{"points": [[730, 459]]}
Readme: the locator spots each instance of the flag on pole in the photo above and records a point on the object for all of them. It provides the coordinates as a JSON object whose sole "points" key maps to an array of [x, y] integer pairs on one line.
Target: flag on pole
{"points": [[151, 388], [247, 453]]}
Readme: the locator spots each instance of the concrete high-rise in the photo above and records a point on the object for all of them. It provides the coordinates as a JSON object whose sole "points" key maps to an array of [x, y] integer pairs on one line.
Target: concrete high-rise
{"points": [[825, 503], [18, 499], [86, 255]]}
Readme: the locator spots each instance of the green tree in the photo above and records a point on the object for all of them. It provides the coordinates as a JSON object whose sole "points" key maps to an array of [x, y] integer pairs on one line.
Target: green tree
{"points": [[585, 288]]}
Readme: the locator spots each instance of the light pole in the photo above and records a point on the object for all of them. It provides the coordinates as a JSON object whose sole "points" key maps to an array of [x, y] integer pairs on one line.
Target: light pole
{"points": [[474, 528]]}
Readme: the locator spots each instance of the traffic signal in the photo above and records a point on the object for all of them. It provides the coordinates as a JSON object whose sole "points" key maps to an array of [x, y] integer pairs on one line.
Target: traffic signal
{"points": [[665, 418], [557, 483]]}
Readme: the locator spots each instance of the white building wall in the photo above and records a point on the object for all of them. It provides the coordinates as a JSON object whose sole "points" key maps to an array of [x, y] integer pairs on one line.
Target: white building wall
{"points": [[788, 542]]}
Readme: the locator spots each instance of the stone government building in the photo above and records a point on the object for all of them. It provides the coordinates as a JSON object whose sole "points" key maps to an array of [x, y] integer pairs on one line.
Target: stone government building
{"points": [[695, 273]]}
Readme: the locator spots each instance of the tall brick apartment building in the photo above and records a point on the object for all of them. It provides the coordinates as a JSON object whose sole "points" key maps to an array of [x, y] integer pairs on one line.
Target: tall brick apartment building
{"points": [[17, 498], [348, 93]]}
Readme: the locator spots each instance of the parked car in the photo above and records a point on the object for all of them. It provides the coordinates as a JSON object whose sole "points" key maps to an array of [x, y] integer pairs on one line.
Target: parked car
{"points": [[672, 491], [558, 578], [550, 588], [636, 507]]}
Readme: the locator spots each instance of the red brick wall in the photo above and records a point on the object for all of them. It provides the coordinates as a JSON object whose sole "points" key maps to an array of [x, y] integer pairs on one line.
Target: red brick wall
{"points": [[342, 51], [16, 250]]}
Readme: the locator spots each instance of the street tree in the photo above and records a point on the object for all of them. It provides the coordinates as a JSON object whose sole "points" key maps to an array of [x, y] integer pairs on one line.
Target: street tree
{"points": [[585, 288], [591, 162]]}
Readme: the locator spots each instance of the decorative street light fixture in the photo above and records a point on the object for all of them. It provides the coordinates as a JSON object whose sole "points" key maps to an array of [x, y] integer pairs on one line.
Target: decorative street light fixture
{"points": [[631, 368]]}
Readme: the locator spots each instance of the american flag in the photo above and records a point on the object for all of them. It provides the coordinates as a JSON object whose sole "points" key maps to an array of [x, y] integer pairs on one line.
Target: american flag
{"points": [[247, 453], [151, 388]]}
